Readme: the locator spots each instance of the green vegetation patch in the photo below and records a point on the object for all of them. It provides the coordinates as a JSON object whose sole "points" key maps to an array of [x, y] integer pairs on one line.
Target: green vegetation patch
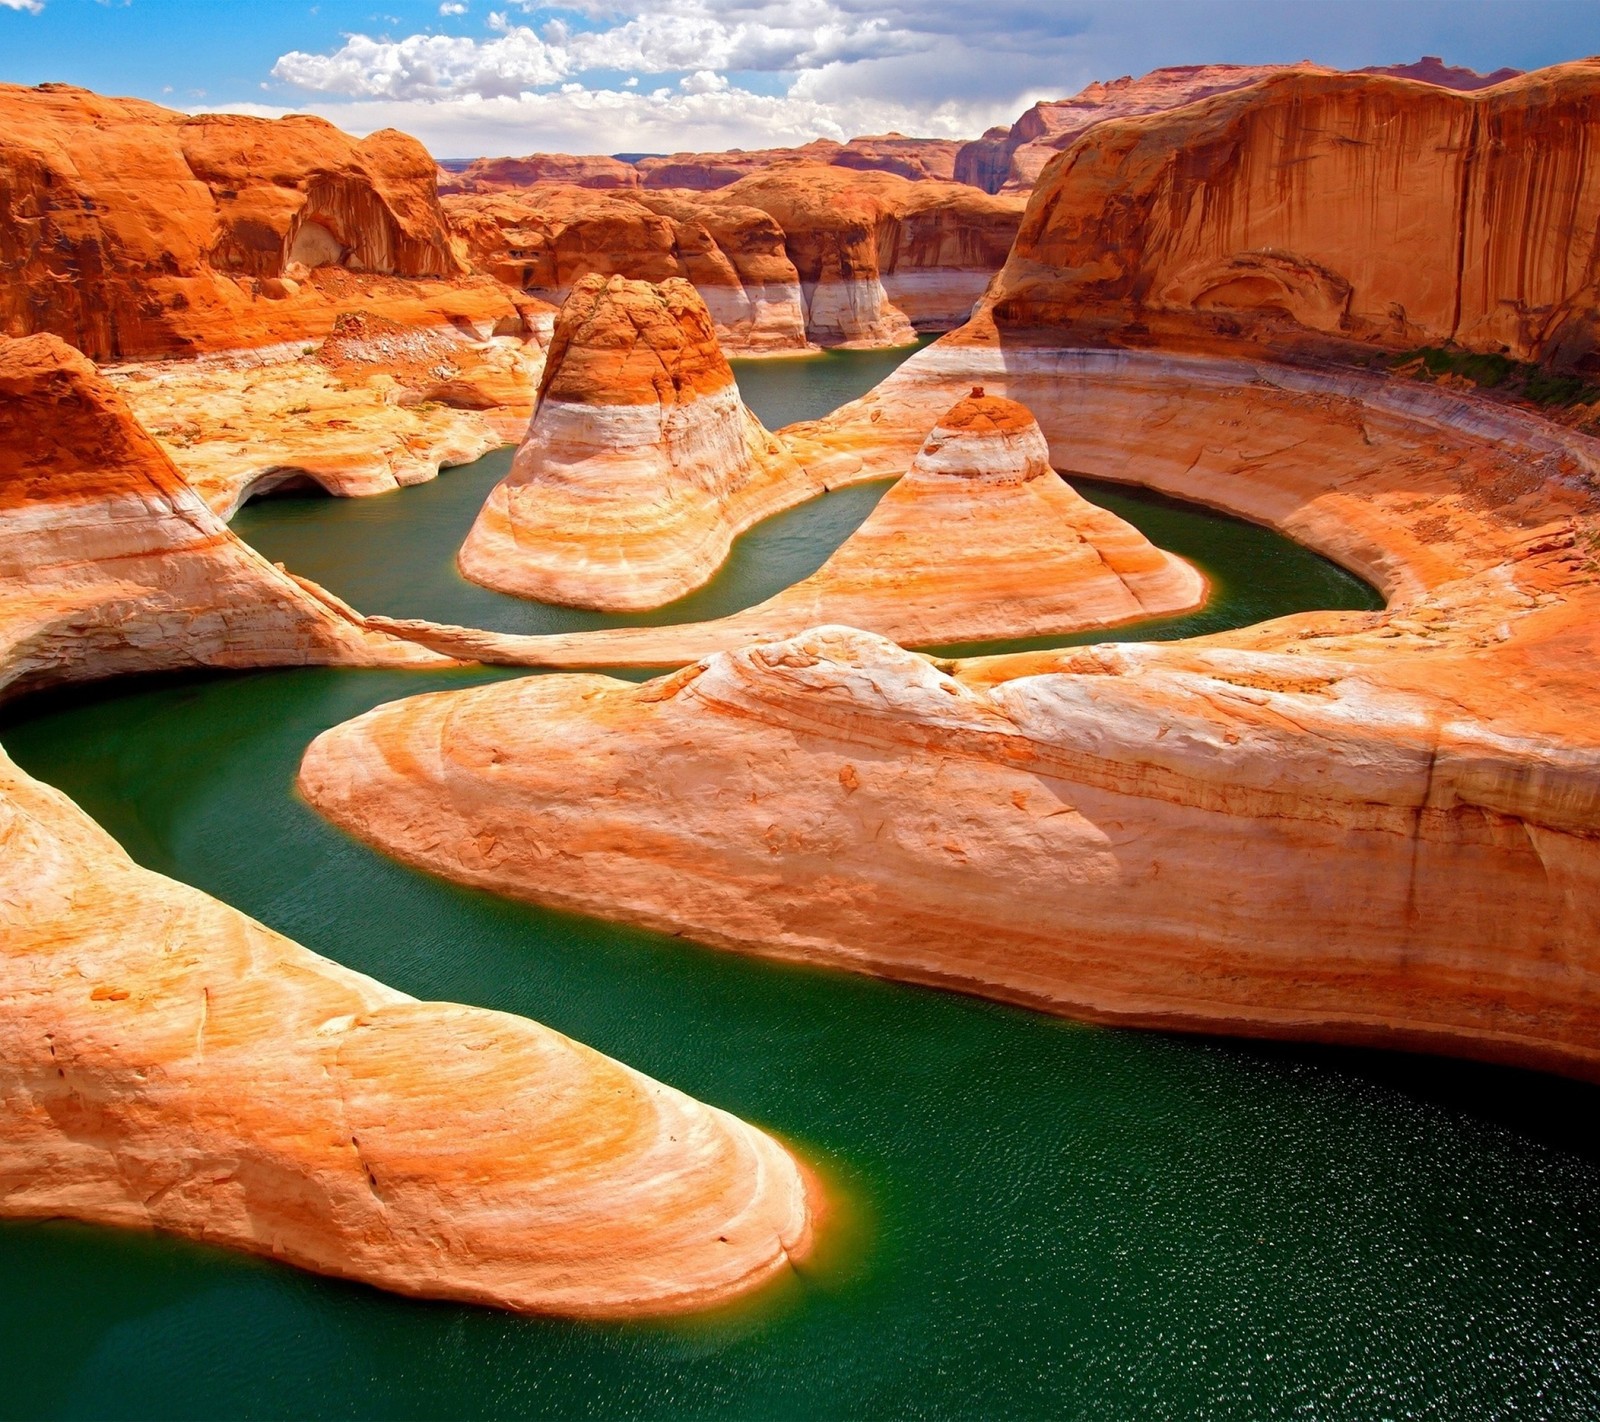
{"points": [[1498, 372]]}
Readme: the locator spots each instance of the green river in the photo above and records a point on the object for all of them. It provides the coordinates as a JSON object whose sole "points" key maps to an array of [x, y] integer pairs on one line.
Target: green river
{"points": [[1038, 1218]]}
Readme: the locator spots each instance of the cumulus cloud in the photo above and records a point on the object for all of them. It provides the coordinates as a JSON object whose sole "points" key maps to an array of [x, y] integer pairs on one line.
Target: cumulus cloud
{"points": [[452, 7], [628, 121], [31, 7], [428, 66], [692, 35]]}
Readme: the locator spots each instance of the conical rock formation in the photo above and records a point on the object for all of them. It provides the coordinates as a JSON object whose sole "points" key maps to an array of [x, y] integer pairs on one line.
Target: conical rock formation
{"points": [[641, 462], [980, 540]]}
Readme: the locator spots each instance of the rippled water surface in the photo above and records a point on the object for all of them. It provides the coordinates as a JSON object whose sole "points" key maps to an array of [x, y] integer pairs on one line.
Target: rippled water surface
{"points": [[1037, 1218]]}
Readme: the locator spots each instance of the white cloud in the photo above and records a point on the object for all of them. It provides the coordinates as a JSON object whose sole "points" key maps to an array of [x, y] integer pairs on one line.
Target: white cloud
{"points": [[693, 35], [32, 7], [452, 7], [427, 66], [703, 81], [628, 121]]}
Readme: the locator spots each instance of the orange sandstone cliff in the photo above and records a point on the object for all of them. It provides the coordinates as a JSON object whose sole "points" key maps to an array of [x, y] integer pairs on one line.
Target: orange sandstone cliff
{"points": [[1011, 159], [109, 561], [795, 255], [880, 257], [128, 229], [543, 239], [1317, 212]]}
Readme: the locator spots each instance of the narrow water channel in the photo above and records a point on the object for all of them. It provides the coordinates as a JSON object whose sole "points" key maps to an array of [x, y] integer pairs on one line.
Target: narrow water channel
{"points": [[1040, 1218]]}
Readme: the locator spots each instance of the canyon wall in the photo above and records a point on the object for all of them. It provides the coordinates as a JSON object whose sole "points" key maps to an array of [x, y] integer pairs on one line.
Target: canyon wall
{"points": [[1011, 159], [109, 561], [128, 229], [1315, 212], [807, 254], [542, 240]]}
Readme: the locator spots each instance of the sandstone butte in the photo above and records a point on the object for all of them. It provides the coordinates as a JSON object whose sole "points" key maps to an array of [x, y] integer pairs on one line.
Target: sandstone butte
{"points": [[1011, 159], [541, 241], [797, 255], [641, 462], [1377, 828], [979, 540], [167, 1063]]}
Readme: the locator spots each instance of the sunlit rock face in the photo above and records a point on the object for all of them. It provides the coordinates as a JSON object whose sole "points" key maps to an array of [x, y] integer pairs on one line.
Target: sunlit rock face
{"points": [[111, 563], [980, 539], [1011, 159], [374, 407], [128, 229], [167, 1063], [1315, 211], [791, 256], [543, 239], [879, 257], [641, 462]]}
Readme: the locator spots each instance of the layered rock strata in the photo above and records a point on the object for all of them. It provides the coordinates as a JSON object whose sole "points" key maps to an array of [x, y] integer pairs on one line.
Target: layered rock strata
{"points": [[131, 230], [1011, 159], [109, 561], [1377, 828], [641, 463], [980, 540], [879, 257], [545, 239], [166, 1063], [1320, 213], [375, 407], [805, 254]]}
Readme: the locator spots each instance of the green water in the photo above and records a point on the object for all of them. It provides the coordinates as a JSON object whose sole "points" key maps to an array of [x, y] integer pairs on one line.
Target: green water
{"points": [[1043, 1218]]}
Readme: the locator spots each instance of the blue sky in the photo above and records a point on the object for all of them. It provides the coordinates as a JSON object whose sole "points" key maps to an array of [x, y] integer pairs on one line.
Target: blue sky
{"points": [[512, 76]]}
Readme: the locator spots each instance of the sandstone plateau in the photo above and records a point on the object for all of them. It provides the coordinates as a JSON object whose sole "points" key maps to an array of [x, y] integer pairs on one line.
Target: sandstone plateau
{"points": [[641, 462], [1322, 213], [167, 1063], [915, 158], [979, 540], [130, 230]]}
